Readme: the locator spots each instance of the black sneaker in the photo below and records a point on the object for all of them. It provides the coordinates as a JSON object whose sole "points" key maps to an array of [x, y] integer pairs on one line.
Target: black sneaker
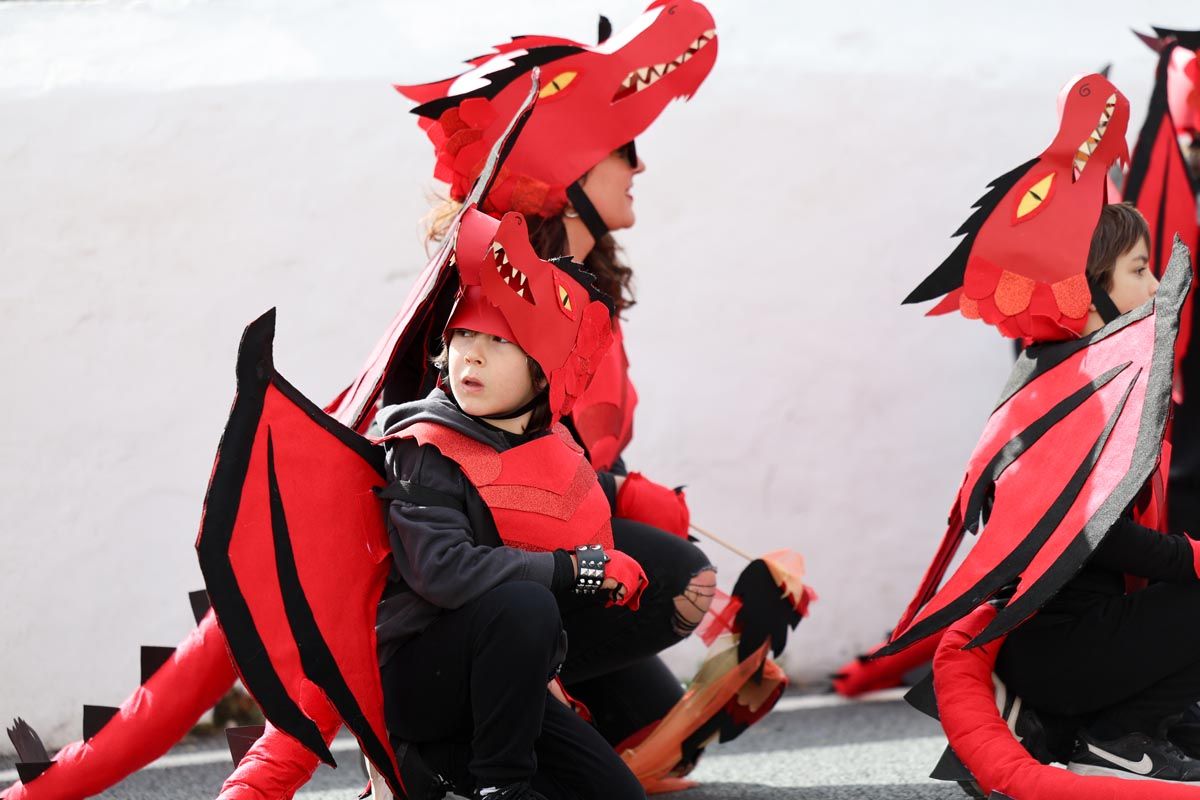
{"points": [[513, 791], [1136, 756]]}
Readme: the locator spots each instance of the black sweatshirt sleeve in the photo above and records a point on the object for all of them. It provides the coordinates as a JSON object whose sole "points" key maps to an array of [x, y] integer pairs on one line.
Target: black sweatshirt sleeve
{"points": [[1140, 551], [433, 548]]}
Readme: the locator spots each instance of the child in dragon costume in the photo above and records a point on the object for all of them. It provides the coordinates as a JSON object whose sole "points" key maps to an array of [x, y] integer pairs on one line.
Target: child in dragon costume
{"points": [[496, 523], [1066, 489]]}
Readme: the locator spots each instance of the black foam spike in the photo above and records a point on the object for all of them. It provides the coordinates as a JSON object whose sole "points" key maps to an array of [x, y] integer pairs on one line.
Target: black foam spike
{"points": [[922, 698], [26, 742], [951, 768], [241, 740], [200, 604], [153, 658], [1106, 69], [95, 718], [604, 31], [27, 771], [32, 757], [998, 796]]}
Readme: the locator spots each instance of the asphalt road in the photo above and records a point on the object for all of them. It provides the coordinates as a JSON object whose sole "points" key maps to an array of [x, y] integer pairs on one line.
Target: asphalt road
{"points": [[811, 748]]}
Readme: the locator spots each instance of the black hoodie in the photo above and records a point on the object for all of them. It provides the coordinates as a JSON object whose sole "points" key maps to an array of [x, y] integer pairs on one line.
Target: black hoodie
{"points": [[444, 554]]}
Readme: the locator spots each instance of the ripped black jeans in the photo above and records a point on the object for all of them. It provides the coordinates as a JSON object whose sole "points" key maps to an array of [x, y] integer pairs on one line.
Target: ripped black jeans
{"points": [[612, 653]]}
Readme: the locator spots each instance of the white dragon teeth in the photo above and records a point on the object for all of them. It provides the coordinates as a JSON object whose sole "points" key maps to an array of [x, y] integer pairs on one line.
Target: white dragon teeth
{"points": [[646, 76]]}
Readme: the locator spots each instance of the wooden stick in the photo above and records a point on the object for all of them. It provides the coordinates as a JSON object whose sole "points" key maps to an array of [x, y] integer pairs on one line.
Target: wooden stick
{"points": [[718, 540]]}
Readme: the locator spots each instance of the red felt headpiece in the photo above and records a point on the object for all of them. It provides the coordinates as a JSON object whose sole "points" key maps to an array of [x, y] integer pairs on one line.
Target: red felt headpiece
{"points": [[594, 98], [1021, 264], [550, 309], [1183, 75]]}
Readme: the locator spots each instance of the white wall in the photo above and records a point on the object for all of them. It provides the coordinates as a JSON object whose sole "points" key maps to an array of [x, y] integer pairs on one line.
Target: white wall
{"points": [[169, 169]]}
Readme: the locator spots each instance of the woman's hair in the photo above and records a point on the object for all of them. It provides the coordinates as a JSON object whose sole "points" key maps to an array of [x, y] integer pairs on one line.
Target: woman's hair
{"points": [[1120, 228], [548, 235], [541, 417]]}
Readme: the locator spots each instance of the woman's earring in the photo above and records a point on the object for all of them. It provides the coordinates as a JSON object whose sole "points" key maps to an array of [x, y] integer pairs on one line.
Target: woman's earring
{"points": [[570, 213]]}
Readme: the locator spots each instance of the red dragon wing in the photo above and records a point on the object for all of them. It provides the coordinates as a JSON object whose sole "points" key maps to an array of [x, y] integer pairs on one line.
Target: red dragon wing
{"points": [[294, 551], [1075, 436], [401, 354]]}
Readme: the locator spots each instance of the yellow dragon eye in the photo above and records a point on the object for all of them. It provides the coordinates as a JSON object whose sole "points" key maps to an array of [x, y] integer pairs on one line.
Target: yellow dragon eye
{"points": [[564, 298], [559, 82], [1034, 196]]}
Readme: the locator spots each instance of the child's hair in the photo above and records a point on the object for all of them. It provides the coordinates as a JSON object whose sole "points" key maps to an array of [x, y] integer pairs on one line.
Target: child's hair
{"points": [[548, 235], [540, 418], [1120, 228]]}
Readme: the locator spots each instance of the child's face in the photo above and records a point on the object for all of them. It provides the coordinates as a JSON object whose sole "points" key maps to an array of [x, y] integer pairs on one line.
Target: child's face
{"points": [[1132, 281], [488, 375]]}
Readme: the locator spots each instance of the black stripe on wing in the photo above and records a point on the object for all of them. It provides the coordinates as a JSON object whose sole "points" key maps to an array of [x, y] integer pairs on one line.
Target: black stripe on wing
{"points": [[1073, 558], [315, 656], [1010, 567], [254, 372]]}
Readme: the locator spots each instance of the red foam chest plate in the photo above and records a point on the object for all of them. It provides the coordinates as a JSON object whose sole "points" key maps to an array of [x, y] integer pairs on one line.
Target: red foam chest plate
{"points": [[603, 415], [543, 494]]}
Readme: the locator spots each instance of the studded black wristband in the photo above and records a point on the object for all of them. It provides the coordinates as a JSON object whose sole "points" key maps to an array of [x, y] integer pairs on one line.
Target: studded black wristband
{"points": [[591, 558]]}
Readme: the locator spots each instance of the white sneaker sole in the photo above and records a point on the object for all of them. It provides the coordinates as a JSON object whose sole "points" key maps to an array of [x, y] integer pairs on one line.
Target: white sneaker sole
{"points": [[1114, 772]]}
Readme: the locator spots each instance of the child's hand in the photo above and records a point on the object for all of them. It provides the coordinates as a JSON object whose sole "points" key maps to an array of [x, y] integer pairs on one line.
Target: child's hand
{"points": [[625, 579]]}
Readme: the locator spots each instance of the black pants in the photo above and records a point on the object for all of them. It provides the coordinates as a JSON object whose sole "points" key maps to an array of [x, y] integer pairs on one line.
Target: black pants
{"points": [[470, 694], [1129, 663], [612, 663]]}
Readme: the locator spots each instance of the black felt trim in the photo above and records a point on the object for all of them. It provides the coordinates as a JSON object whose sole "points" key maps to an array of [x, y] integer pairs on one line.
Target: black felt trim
{"points": [[315, 656], [418, 495], [153, 658], [1169, 300], [200, 604], [255, 370], [522, 65], [949, 274], [95, 718], [587, 212]]}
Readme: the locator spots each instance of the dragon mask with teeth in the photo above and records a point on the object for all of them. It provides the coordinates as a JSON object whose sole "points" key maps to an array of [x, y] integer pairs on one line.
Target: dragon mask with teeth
{"points": [[550, 309], [593, 100], [1021, 263]]}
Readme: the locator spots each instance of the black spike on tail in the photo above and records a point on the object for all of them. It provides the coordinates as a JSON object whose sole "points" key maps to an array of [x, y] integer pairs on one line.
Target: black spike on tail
{"points": [[95, 718], [153, 658], [242, 739], [922, 698], [200, 604], [32, 758]]}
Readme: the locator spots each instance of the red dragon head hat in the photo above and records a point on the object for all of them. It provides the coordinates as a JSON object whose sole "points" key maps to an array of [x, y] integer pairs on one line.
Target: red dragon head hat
{"points": [[551, 309], [1182, 75], [1021, 263], [593, 100]]}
